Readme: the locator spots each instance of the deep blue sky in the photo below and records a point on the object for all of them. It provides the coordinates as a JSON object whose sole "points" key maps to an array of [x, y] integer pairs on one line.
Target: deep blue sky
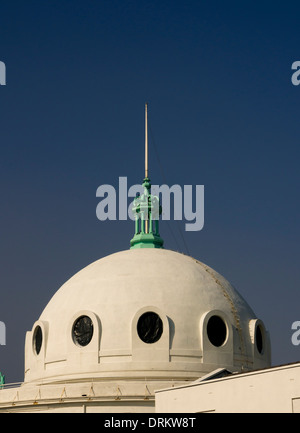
{"points": [[223, 113]]}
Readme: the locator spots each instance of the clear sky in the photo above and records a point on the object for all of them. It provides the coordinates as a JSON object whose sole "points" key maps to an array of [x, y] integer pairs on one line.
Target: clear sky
{"points": [[223, 113]]}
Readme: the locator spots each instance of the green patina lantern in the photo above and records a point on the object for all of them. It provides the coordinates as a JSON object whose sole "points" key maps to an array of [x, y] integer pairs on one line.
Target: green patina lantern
{"points": [[2, 380]]}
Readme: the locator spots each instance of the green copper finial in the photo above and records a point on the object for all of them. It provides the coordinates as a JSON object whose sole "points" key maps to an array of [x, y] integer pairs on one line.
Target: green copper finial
{"points": [[2, 380], [146, 209]]}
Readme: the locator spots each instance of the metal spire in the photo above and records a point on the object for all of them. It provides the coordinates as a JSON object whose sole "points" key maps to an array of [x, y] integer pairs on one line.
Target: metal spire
{"points": [[146, 140], [146, 209], [146, 156]]}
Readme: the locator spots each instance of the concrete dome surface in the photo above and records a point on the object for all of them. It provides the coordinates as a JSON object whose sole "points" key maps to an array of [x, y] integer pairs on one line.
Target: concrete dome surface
{"points": [[140, 313]]}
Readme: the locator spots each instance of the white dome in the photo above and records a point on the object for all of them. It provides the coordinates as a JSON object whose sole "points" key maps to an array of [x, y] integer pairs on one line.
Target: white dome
{"points": [[203, 322]]}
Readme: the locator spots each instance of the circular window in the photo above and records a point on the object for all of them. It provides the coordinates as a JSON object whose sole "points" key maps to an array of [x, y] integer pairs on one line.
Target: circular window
{"points": [[150, 327], [37, 339], [83, 331], [216, 331], [259, 339]]}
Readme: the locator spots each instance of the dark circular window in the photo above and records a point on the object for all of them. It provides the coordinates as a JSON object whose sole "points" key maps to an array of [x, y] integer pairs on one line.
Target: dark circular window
{"points": [[216, 331], [83, 331], [259, 339], [37, 339], [150, 327]]}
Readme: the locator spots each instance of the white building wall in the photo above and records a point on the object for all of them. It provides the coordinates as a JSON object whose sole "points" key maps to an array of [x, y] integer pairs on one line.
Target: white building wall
{"points": [[269, 390], [99, 396]]}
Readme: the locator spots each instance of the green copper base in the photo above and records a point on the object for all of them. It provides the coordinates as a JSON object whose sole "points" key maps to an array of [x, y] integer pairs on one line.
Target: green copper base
{"points": [[146, 240]]}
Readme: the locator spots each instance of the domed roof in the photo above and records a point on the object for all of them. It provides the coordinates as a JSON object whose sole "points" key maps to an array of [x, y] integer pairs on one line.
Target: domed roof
{"points": [[146, 312]]}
